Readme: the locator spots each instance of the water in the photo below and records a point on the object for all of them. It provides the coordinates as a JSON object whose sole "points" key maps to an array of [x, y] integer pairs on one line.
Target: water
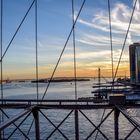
{"points": [[62, 90], [65, 90]]}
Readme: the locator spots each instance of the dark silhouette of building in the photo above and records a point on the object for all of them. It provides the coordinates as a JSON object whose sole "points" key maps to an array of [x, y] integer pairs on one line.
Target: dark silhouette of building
{"points": [[134, 54]]}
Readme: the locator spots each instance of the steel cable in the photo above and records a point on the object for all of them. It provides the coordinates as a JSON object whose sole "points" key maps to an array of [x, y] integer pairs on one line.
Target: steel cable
{"points": [[74, 51], [111, 46], [83, 3], [1, 44], [8, 46], [100, 121], [125, 40], [36, 46]]}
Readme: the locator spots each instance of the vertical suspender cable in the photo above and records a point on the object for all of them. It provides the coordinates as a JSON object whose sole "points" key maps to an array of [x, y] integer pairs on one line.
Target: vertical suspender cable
{"points": [[36, 46], [67, 40], [36, 40], [74, 51], [1, 44], [110, 27], [125, 40]]}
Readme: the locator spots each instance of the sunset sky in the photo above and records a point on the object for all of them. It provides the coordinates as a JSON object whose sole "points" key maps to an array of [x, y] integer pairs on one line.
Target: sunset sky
{"points": [[54, 24]]}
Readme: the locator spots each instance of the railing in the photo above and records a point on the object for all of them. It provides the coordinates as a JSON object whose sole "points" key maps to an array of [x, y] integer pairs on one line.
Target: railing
{"points": [[72, 108]]}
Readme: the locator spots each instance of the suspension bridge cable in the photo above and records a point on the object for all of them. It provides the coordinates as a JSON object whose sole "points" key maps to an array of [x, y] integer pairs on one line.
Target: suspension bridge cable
{"points": [[110, 27], [74, 51], [83, 3], [125, 40], [17, 30], [100, 121], [111, 47], [36, 45], [1, 44], [30, 127]]}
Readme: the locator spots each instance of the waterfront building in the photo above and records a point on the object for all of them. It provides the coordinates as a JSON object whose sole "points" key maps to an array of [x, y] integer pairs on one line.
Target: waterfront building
{"points": [[134, 54]]}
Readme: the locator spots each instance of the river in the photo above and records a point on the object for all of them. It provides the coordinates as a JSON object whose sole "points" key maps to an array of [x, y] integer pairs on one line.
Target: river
{"points": [[65, 90]]}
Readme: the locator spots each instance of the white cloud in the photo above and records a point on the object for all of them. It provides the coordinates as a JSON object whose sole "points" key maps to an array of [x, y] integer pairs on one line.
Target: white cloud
{"points": [[103, 55], [129, 38], [100, 40], [120, 17], [137, 4], [40, 44]]}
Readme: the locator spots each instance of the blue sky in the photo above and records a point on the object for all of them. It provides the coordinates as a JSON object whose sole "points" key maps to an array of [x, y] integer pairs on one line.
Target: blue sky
{"points": [[54, 24]]}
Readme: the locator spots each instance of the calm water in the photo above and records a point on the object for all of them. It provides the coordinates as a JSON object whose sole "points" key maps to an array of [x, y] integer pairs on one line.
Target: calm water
{"points": [[65, 91]]}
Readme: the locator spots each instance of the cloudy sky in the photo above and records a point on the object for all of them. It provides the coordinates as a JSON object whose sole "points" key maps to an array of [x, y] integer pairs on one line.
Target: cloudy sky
{"points": [[54, 24]]}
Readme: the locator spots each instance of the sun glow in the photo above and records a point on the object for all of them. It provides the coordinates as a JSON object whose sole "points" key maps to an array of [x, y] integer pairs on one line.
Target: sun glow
{"points": [[92, 40]]}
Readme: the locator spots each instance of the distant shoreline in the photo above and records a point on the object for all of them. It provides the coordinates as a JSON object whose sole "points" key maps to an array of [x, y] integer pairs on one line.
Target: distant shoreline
{"points": [[60, 80]]}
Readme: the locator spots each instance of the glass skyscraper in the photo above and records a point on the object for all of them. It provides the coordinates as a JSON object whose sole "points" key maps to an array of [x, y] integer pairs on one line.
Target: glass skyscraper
{"points": [[134, 54]]}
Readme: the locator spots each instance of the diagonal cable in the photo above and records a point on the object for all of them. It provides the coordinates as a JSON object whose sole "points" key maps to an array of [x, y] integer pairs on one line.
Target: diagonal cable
{"points": [[30, 127], [130, 133], [96, 127], [99, 124], [8, 46], [125, 40], [53, 125], [15, 125], [19, 126], [101, 121], [56, 128], [63, 48]]}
